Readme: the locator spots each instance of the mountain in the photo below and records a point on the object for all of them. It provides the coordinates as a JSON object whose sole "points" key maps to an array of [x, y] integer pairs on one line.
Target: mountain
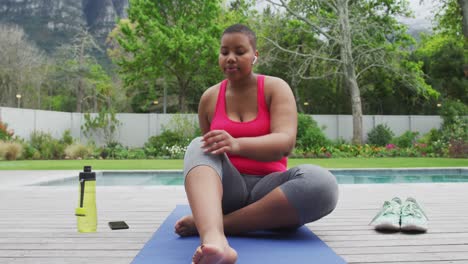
{"points": [[422, 20], [51, 23]]}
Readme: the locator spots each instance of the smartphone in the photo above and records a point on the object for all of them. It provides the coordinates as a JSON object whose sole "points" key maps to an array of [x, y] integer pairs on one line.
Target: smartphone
{"points": [[118, 225]]}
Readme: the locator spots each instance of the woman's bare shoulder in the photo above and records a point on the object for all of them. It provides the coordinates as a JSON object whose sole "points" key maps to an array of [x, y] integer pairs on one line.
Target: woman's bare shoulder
{"points": [[209, 97], [211, 91], [276, 86], [276, 83]]}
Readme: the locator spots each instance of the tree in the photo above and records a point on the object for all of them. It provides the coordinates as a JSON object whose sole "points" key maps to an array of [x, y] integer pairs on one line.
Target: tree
{"points": [[140, 85], [445, 53], [169, 43], [23, 68], [452, 17], [443, 57], [77, 66], [312, 14], [464, 16], [287, 32], [102, 125], [353, 38], [464, 11]]}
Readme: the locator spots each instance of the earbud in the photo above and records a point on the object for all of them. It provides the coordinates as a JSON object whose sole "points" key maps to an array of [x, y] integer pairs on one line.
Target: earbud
{"points": [[254, 60]]}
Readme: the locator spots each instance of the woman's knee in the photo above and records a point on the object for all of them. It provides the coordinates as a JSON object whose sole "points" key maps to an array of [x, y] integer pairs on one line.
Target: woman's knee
{"points": [[195, 156], [319, 178], [194, 146], [319, 192]]}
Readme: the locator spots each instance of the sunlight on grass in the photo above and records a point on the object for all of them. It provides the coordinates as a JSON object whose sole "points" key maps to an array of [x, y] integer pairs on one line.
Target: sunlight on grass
{"points": [[178, 164]]}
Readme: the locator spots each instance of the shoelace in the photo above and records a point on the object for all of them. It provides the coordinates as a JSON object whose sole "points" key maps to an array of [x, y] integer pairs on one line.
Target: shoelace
{"points": [[411, 208], [389, 207]]}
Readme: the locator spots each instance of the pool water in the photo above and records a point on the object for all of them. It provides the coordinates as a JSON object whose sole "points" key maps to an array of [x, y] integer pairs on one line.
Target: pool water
{"points": [[355, 176]]}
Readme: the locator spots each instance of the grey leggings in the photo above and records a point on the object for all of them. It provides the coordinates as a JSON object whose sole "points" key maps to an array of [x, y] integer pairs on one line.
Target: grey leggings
{"points": [[312, 190]]}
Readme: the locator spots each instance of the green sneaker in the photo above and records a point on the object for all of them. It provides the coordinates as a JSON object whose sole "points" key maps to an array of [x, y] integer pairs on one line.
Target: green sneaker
{"points": [[413, 217], [388, 219]]}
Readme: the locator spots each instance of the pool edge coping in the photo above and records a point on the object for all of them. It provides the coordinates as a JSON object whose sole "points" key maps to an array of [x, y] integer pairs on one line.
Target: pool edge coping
{"points": [[422, 169]]}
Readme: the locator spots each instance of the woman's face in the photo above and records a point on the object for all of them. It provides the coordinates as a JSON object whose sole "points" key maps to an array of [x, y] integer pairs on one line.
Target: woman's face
{"points": [[236, 55]]}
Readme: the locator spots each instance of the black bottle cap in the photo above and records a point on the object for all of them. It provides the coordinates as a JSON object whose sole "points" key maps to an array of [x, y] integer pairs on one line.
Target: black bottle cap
{"points": [[87, 175]]}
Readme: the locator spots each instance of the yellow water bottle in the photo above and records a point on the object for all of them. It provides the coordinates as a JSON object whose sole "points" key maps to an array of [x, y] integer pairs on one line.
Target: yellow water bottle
{"points": [[86, 212]]}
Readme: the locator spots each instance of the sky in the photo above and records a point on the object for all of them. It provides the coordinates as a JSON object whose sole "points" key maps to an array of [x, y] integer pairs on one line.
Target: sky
{"points": [[423, 13]]}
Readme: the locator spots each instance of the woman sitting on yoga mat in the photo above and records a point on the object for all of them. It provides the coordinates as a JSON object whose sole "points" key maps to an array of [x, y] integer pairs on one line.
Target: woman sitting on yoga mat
{"points": [[236, 175]]}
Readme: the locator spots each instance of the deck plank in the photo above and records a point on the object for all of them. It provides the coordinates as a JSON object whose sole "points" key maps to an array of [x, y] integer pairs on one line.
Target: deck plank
{"points": [[37, 224]]}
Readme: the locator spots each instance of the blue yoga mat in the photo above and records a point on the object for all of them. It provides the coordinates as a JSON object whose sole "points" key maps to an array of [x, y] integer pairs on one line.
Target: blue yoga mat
{"points": [[300, 246]]}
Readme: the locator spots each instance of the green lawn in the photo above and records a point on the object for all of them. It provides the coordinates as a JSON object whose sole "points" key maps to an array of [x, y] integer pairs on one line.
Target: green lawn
{"points": [[177, 164]]}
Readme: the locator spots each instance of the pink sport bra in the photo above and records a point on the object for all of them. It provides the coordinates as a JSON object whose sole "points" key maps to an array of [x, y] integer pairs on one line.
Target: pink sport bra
{"points": [[258, 127]]}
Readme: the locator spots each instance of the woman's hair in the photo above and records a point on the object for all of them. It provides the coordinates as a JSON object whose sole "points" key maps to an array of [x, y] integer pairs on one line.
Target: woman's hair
{"points": [[239, 28]]}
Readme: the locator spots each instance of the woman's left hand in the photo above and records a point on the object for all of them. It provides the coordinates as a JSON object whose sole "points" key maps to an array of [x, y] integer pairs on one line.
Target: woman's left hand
{"points": [[219, 142]]}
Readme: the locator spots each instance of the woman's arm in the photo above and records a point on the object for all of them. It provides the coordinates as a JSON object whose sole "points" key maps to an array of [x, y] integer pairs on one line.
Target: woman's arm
{"points": [[203, 107]]}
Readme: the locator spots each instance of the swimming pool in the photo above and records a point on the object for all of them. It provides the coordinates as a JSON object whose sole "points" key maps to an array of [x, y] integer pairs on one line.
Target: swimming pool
{"points": [[344, 176]]}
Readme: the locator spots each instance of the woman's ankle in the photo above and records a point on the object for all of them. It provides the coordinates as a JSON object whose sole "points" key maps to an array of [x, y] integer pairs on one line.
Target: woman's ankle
{"points": [[214, 238]]}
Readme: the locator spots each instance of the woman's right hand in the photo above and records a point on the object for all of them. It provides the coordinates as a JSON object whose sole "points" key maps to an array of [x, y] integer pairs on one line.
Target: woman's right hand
{"points": [[219, 142]]}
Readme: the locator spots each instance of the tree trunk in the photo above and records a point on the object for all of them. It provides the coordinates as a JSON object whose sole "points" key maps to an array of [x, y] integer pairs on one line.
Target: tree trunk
{"points": [[464, 9], [183, 84], [80, 88], [79, 95], [349, 71], [10, 95], [39, 96], [464, 12], [295, 84], [182, 102], [95, 104]]}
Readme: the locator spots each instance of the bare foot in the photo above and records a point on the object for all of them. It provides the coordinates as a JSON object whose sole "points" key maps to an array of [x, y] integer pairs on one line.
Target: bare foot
{"points": [[213, 254], [185, 226]]}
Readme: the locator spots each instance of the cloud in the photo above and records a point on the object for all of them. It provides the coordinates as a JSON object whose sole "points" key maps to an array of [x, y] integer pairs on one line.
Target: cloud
{"points": [[423, 14]]}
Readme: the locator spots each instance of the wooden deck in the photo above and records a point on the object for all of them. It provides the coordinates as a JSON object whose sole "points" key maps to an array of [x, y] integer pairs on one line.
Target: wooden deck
{"points": [[37, 224]]}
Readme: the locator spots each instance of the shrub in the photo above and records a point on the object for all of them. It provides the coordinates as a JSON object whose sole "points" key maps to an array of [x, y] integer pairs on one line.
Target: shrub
{"points": [[406, 140], [423, 149], [430, 137], [440, 148], [10, 150], [183, 127], [111, 150], [77, 151], [309, 134], [115, 150], [176, 152], [150, 152], [121, 152], [29, 152], [380, 135], [136, 153], [457, 130], [158, 145], [452, 139], [174, 138], [67, 138], [104, 124], [458, 149], [455, 135], [5, 133], [450, 111], [47, 147]]}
